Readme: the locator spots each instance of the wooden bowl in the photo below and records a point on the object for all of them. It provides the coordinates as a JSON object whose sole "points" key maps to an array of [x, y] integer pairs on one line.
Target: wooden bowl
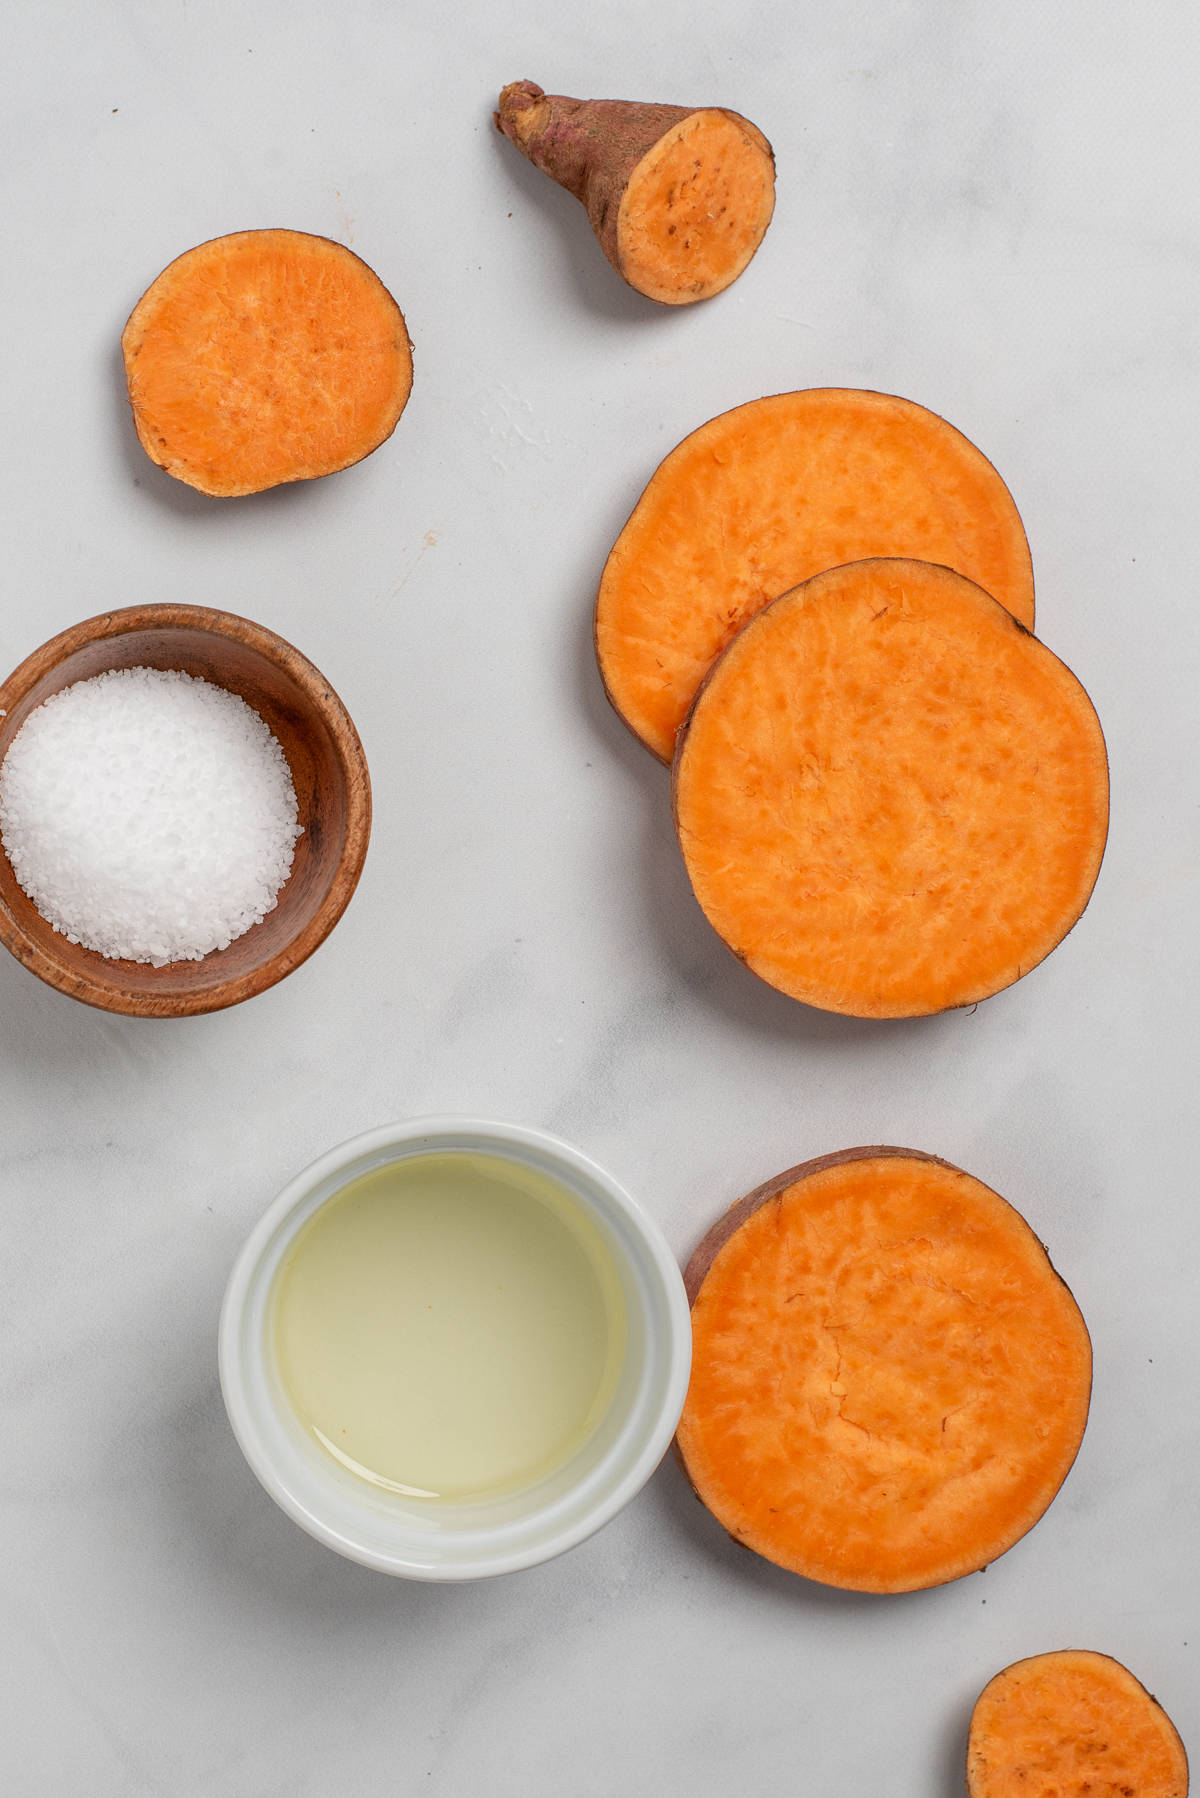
{"points": [[333, 793]]}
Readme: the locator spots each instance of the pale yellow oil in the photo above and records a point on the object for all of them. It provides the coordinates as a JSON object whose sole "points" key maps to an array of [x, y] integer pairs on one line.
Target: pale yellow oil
{"points": [[449, 1326]]}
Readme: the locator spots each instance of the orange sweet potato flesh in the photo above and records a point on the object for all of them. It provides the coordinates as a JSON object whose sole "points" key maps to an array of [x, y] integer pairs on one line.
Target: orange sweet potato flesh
{"points": [[763, 497], [679, 198], [1072, 1724], [263, 357], [891, 799], [889, 1380]]}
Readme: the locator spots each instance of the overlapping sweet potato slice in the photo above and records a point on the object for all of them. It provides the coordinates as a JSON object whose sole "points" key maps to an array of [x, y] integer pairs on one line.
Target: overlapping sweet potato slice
{"points": [[889, 1380], [890, 797], [763, 497]]}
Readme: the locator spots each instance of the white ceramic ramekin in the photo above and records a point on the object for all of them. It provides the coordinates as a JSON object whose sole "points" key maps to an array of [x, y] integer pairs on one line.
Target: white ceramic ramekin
{"points": [[461, 1540]]}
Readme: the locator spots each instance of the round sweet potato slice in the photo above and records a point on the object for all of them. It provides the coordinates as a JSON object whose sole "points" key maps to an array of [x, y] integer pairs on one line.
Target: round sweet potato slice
{"points": [[762, 498], [263, 357], [1072, 1724], [890, 797], [889, 1380]]}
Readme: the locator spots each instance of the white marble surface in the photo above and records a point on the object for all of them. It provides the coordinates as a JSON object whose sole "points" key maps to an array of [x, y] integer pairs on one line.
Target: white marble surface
{"points": [[991, 209]]}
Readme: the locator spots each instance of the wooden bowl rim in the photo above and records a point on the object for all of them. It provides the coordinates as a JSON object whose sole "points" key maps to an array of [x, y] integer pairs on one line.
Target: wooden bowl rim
{"points": [[106, 992]]}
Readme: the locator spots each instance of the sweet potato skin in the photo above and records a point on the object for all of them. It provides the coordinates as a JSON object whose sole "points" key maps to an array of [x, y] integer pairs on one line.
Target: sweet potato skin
{"points": [[1075, 1723], [594, 149], [909, 1559]]}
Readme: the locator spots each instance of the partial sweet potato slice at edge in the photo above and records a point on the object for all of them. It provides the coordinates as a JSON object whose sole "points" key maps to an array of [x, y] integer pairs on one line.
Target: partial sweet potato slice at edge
{"points": [[1075, 1723]]}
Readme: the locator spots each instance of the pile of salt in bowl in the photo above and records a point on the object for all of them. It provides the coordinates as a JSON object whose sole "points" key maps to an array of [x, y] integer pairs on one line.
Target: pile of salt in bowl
{"points": [[148, 814]]}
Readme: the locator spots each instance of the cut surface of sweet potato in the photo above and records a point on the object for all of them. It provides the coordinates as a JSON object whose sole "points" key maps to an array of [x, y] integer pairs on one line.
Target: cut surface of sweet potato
{"points": [[263, 357], [890, 798], [696, 208], [889, 1380], [763, 497], [1072, 1724]]}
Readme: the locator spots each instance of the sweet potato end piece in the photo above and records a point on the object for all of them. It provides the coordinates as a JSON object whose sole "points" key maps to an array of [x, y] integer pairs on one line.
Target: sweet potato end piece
{"points": [[1075, 1723], [264, 357], [890, 1381], [696, 208], [679, 197]]}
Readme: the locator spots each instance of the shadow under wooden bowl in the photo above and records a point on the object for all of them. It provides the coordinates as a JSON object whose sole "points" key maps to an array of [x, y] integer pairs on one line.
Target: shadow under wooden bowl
{"points": [[333, 795]]}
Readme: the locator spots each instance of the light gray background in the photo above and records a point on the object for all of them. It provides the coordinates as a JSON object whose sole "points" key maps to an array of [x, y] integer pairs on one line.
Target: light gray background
{"points": [[988, 208]]}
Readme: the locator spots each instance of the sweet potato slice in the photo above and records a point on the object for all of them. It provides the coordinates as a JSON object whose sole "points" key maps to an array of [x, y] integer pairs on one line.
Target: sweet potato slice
{"points": [[891, 799], [263, 357], [679, 198], [763, 497], [889, 1380], [1072, 1724]]}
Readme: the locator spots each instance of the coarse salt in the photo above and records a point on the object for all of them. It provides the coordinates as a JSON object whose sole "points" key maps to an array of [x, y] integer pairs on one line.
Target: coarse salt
{"points": [[148, 814]]}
